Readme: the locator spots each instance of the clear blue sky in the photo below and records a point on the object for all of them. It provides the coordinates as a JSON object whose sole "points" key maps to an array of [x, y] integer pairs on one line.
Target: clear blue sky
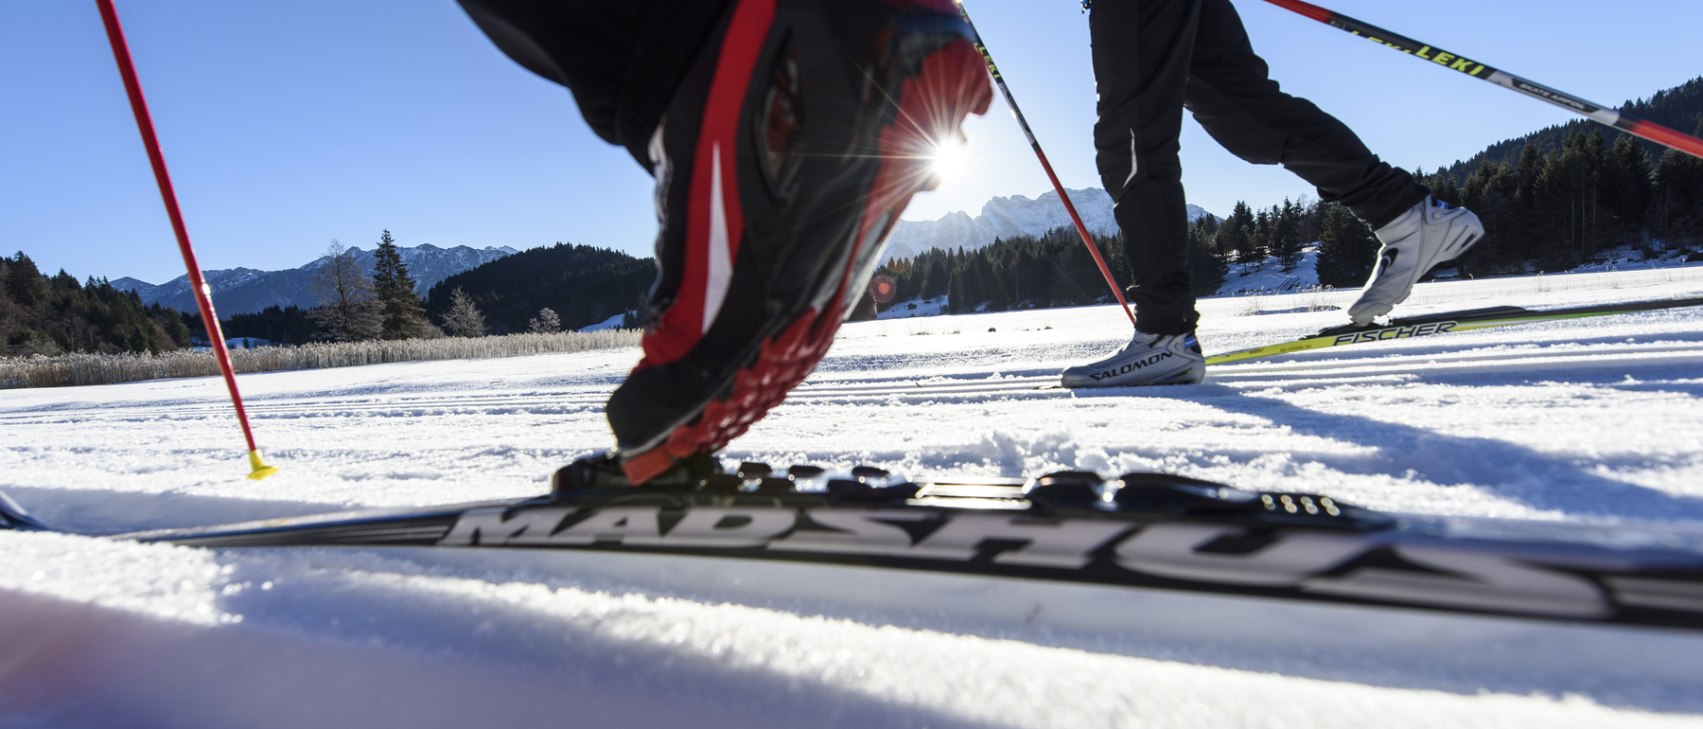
{"points": [[290, 124]]}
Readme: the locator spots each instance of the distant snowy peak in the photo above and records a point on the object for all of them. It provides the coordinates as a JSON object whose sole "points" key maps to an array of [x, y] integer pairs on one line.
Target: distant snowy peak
{"points": [[245, 290], [142, 288], [1007, 217], [428, 264], [420, 259], [178, 288]]}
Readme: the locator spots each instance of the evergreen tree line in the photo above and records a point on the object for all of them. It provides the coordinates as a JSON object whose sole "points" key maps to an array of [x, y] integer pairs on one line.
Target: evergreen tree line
{"points": [[1347, 248], [543, 289], [1553, 209], [1249, 236], [1679, 108], [539, 291], [47, 315], [279, 325], [1025, 272], [1056, 269]]}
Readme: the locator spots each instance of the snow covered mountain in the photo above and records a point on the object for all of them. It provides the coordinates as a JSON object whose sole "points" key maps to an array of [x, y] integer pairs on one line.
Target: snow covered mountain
{"points": [[244, 290], [1007, 217]]}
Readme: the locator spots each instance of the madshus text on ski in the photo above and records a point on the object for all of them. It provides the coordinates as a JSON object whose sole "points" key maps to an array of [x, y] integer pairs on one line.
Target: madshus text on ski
{"points": [[1139, 530]]}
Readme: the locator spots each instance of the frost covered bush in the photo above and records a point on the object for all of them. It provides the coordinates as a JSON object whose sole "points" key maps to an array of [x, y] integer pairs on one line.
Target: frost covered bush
{"points": [[102, 369]]}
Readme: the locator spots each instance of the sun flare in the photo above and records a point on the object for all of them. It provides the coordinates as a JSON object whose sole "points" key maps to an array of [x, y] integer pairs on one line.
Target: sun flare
{"points": [[947, 159]]}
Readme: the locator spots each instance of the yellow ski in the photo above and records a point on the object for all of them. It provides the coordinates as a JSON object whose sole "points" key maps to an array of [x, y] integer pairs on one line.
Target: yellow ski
{"points": [[1444, 323]]}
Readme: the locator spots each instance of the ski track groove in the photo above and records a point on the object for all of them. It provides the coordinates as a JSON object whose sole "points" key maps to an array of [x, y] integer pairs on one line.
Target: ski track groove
{"points": [[1347, 368]]}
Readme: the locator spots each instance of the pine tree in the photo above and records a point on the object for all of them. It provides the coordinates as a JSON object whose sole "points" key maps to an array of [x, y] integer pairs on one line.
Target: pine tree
{"points": [[957, 300], [1676, 210], [1629, 185], [399, 311], [1286, 235], [1262, 235], [991, 283], [464, 318], [1521, 233], [1570, 200], [1206, 267], [25, 284], [1347, 248], [939, 277], [347, 311], [1235, 235], [1494, 193], [10, 324], [1443, 187], [545, 323]]}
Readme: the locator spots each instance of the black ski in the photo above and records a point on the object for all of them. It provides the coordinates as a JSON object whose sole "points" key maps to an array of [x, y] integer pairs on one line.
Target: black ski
{"points": [[1444, 323], [1140, 530]]}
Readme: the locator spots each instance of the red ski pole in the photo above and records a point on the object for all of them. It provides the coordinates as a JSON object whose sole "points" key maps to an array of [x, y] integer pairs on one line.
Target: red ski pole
{"points": [[203, 298], [1621, 120], [1082, 230]]}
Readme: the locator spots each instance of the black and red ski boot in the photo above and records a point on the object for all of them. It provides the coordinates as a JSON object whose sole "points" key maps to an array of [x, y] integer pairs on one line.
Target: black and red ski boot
{"points": [[782, 162]]}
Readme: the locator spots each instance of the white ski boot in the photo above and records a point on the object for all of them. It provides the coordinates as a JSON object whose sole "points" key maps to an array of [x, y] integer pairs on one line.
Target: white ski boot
{"points": [[1428, 234], [1150, 359]]}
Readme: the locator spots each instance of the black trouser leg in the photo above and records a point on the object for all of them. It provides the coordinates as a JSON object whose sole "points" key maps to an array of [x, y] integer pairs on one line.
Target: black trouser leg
{"points": [[1142, 51], [1153, 57], [1233, 97]]}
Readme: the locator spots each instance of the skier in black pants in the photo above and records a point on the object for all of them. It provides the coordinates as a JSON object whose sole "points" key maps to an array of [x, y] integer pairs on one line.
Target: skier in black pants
{"points": [[785, 136], [1152, 58]]}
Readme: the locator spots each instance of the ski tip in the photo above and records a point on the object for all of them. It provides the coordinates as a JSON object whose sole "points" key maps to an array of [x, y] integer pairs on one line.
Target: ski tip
{"points": [[258, 468]]}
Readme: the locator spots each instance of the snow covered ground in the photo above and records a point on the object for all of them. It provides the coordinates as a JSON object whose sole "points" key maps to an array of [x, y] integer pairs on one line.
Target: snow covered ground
{"points": [[1589, 421]]}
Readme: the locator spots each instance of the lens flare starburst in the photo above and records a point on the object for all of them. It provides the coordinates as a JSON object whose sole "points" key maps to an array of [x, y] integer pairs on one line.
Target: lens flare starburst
{"points": [[947, 158]]}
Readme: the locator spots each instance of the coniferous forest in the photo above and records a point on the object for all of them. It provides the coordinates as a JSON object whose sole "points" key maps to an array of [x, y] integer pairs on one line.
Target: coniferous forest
{"points": [[578, 285], [582, 285], [1056, 269], [41, 314]]}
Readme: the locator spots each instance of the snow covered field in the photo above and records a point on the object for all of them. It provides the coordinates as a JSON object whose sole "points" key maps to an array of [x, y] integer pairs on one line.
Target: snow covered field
{"points": [[1594, 420]]}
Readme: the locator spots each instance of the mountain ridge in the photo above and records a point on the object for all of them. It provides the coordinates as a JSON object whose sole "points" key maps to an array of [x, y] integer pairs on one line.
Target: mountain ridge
{"points": [[247, 290], [1007, 217]]}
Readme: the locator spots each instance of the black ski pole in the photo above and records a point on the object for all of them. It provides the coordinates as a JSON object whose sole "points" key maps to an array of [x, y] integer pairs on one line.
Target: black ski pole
{"points": [[1082, 230], [1621, 120]]}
